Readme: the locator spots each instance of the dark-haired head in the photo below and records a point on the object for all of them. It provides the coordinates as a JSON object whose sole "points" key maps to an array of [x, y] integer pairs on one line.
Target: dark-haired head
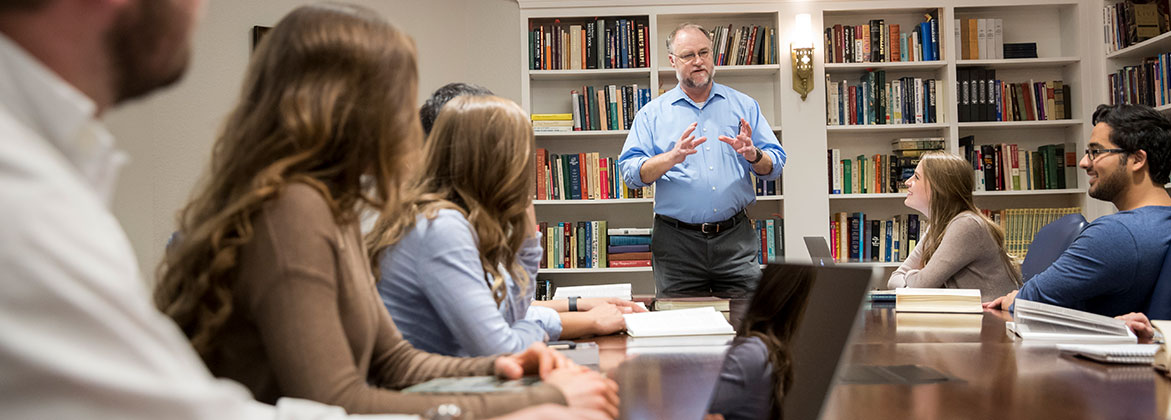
{"points": [[1135, 128], [430, 109], [773, 315]]}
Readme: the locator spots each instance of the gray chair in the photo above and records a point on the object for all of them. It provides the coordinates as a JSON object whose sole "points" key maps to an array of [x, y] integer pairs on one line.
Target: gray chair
{"points": [[1160, 305], [1050, 242]]}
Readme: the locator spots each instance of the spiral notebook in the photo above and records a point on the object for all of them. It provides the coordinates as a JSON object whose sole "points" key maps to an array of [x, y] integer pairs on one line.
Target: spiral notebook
{"points": [[1137, 354]]}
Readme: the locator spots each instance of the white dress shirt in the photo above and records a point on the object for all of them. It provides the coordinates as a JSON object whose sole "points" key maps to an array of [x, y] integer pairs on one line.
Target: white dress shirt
{"points": [[79, 336]]}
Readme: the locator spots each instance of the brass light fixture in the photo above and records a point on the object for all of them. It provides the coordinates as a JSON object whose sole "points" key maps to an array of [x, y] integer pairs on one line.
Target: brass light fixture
{"points": [[801, 50]]}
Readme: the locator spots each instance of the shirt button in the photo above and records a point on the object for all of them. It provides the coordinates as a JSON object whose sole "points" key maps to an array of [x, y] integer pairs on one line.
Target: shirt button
{"points": [[715, 210], [711, 168], [713, 188], [708, 148], [705, 130]]}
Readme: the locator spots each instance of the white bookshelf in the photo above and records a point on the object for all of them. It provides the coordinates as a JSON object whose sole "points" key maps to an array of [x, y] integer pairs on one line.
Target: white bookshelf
{"points": [[1021, 63], [898, 65], [882, 128]]}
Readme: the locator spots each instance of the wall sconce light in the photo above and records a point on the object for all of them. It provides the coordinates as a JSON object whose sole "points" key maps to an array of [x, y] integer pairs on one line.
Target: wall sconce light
{"points": [[801, 50]]}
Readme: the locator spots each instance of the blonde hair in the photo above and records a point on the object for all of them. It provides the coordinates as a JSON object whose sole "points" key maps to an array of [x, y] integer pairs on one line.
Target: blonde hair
{"points": [[949, 178], [478, 161], [328, 100]]}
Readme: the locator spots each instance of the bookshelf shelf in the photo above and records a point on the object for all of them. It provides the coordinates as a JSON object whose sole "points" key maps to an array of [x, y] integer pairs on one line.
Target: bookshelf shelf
{"points": [[588, 74], [595, 202], [1159, 44], [898, 65], [866, 196], [667, 74], [595, 270], [1021, 63], [1028, 192], [885, 128], [770, 197], [586, 134], [1020, 124]]}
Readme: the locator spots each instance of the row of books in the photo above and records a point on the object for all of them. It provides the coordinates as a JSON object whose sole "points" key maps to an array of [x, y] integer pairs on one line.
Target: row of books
{"points": [[592, 43], [582, 176], [854, 237], [1008, 167], [1148, 83], [1129, 22], [607, 107], [591, 244], [874, 100], [1021, 225], [878, 173], [982, 97], [980, 39], [879, 42], [772, 240], [767, 188], [744, 46]]}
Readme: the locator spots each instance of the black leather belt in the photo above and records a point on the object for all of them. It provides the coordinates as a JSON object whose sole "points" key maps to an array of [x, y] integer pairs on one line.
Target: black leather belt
{"points": [[707, 228]]}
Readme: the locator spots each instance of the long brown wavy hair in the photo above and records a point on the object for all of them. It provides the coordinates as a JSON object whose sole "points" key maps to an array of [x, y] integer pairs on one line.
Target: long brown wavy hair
{"points": [[773, 314], [950, 180], [328, 101], [479, 161]]}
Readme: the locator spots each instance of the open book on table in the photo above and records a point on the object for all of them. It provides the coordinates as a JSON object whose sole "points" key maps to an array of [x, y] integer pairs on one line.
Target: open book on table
{"points": [[618, 290], [1035, 321], [909, 299], [1138, 354], [696, 321]]}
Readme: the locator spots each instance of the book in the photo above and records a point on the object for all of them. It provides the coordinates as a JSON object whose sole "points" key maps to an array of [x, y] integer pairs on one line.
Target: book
{"points": [[1035, 321], [622, 249], [629, 263], [618, 290], [1113, 353], [628, 231], [938, 300], [696, 321], [667, 304]]}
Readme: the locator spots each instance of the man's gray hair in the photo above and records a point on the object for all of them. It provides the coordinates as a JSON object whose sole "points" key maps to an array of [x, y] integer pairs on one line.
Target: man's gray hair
{"points": [[682, 26]]}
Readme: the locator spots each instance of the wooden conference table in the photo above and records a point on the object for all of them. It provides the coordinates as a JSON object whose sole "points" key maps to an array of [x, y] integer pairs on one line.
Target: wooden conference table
{"points": [[991, 377]]}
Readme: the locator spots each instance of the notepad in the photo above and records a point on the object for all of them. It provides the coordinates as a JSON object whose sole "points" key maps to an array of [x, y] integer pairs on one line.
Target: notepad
{"points": [[938, 300], [697, 321], [1143, 354], [618, 290]]}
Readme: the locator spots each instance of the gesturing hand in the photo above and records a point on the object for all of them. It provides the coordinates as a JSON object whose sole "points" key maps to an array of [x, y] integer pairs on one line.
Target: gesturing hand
{"points": [[686, 145], [742, 144]]}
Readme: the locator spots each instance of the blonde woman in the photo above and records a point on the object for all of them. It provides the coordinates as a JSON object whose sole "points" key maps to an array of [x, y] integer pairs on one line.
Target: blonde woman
{"points": [[963, 248], [270, 280]]}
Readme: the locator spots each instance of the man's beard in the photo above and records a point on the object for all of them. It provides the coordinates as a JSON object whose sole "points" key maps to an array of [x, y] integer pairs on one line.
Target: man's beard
{"points": [[148, 48], [1107, 188], [690, 83]]}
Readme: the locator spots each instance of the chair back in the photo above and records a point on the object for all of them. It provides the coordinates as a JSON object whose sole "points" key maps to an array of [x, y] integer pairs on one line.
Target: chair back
{"points": [[1160, 306], [1050, 242]]}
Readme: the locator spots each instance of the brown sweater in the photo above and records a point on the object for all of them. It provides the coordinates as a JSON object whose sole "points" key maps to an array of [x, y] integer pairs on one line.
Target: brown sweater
{"points": [[967, 258], [308, 323]]}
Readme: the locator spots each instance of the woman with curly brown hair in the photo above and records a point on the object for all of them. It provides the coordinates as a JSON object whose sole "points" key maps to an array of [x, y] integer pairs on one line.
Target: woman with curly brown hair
{"points": [[270, 280]]}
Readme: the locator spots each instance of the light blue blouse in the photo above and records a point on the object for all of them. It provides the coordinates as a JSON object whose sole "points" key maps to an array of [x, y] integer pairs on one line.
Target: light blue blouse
{"points": [[433, 285]]}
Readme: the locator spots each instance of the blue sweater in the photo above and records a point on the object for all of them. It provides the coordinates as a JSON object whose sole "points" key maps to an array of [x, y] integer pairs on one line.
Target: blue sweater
{"points": [[1111, 268], [432, 283]]}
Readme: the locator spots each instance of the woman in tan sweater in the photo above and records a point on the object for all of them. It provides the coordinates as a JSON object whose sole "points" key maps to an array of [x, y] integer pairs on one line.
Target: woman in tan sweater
{"points": [[271, 282], [963, 248]]}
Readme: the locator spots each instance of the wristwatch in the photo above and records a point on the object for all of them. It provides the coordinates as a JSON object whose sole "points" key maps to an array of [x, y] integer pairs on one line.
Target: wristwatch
{"points": [[759, 156], [573, 303]]}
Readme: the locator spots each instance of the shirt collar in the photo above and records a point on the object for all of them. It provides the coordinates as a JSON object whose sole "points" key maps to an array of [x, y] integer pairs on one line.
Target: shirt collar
{"points": [[61, 114], [677, 94]]}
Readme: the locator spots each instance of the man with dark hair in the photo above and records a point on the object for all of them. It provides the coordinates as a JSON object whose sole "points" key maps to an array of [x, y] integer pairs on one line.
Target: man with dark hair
{"points": [[1112, 266], [430, 109]]}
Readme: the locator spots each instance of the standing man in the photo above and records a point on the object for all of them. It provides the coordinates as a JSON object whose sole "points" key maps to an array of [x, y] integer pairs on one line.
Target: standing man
{"points": [[702, 243]]}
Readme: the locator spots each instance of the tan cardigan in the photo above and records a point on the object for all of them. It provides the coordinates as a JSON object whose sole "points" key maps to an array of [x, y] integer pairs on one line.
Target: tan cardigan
{"points": [[967, 258], [307, 323]]}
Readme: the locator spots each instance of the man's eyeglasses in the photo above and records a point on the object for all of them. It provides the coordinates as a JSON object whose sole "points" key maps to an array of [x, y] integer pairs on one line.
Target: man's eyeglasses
{"points": [[1094, 153], [703, 54]]}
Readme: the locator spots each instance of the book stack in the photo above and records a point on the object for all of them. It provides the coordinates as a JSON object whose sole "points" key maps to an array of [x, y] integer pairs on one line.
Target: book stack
{"points": [[980, 39], [721, 305], [879, 42], [1041, 322], [589, 43], [681, 322], [605, 108], [938, 300], [876, 100], [582, 176], [854, 237], [772, 240], [553, 123], [747, 45], [767, 188], [983, 97], [1148, 83], [1009, 167], [574, 245], [1021, 225], [1130, 22], [879, 173], [629, 247]]}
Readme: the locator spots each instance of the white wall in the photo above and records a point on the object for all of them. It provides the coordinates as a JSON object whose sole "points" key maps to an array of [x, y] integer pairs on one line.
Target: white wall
{"points": [[169, 135]]}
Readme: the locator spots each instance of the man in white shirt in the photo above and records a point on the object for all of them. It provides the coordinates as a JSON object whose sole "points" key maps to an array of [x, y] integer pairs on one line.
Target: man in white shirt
{"points": [[80, 337]]}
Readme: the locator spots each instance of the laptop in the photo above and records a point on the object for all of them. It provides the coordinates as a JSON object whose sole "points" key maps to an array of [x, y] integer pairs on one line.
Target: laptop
{"points": [[819, 251], [834, 300]]}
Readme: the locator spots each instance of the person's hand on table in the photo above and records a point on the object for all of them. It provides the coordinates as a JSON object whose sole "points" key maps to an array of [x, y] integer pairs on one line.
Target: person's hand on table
{"points": [[606, 319], [1003, 302], [586, 389], [626, 306], [1141, 326], [537, 359]]}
